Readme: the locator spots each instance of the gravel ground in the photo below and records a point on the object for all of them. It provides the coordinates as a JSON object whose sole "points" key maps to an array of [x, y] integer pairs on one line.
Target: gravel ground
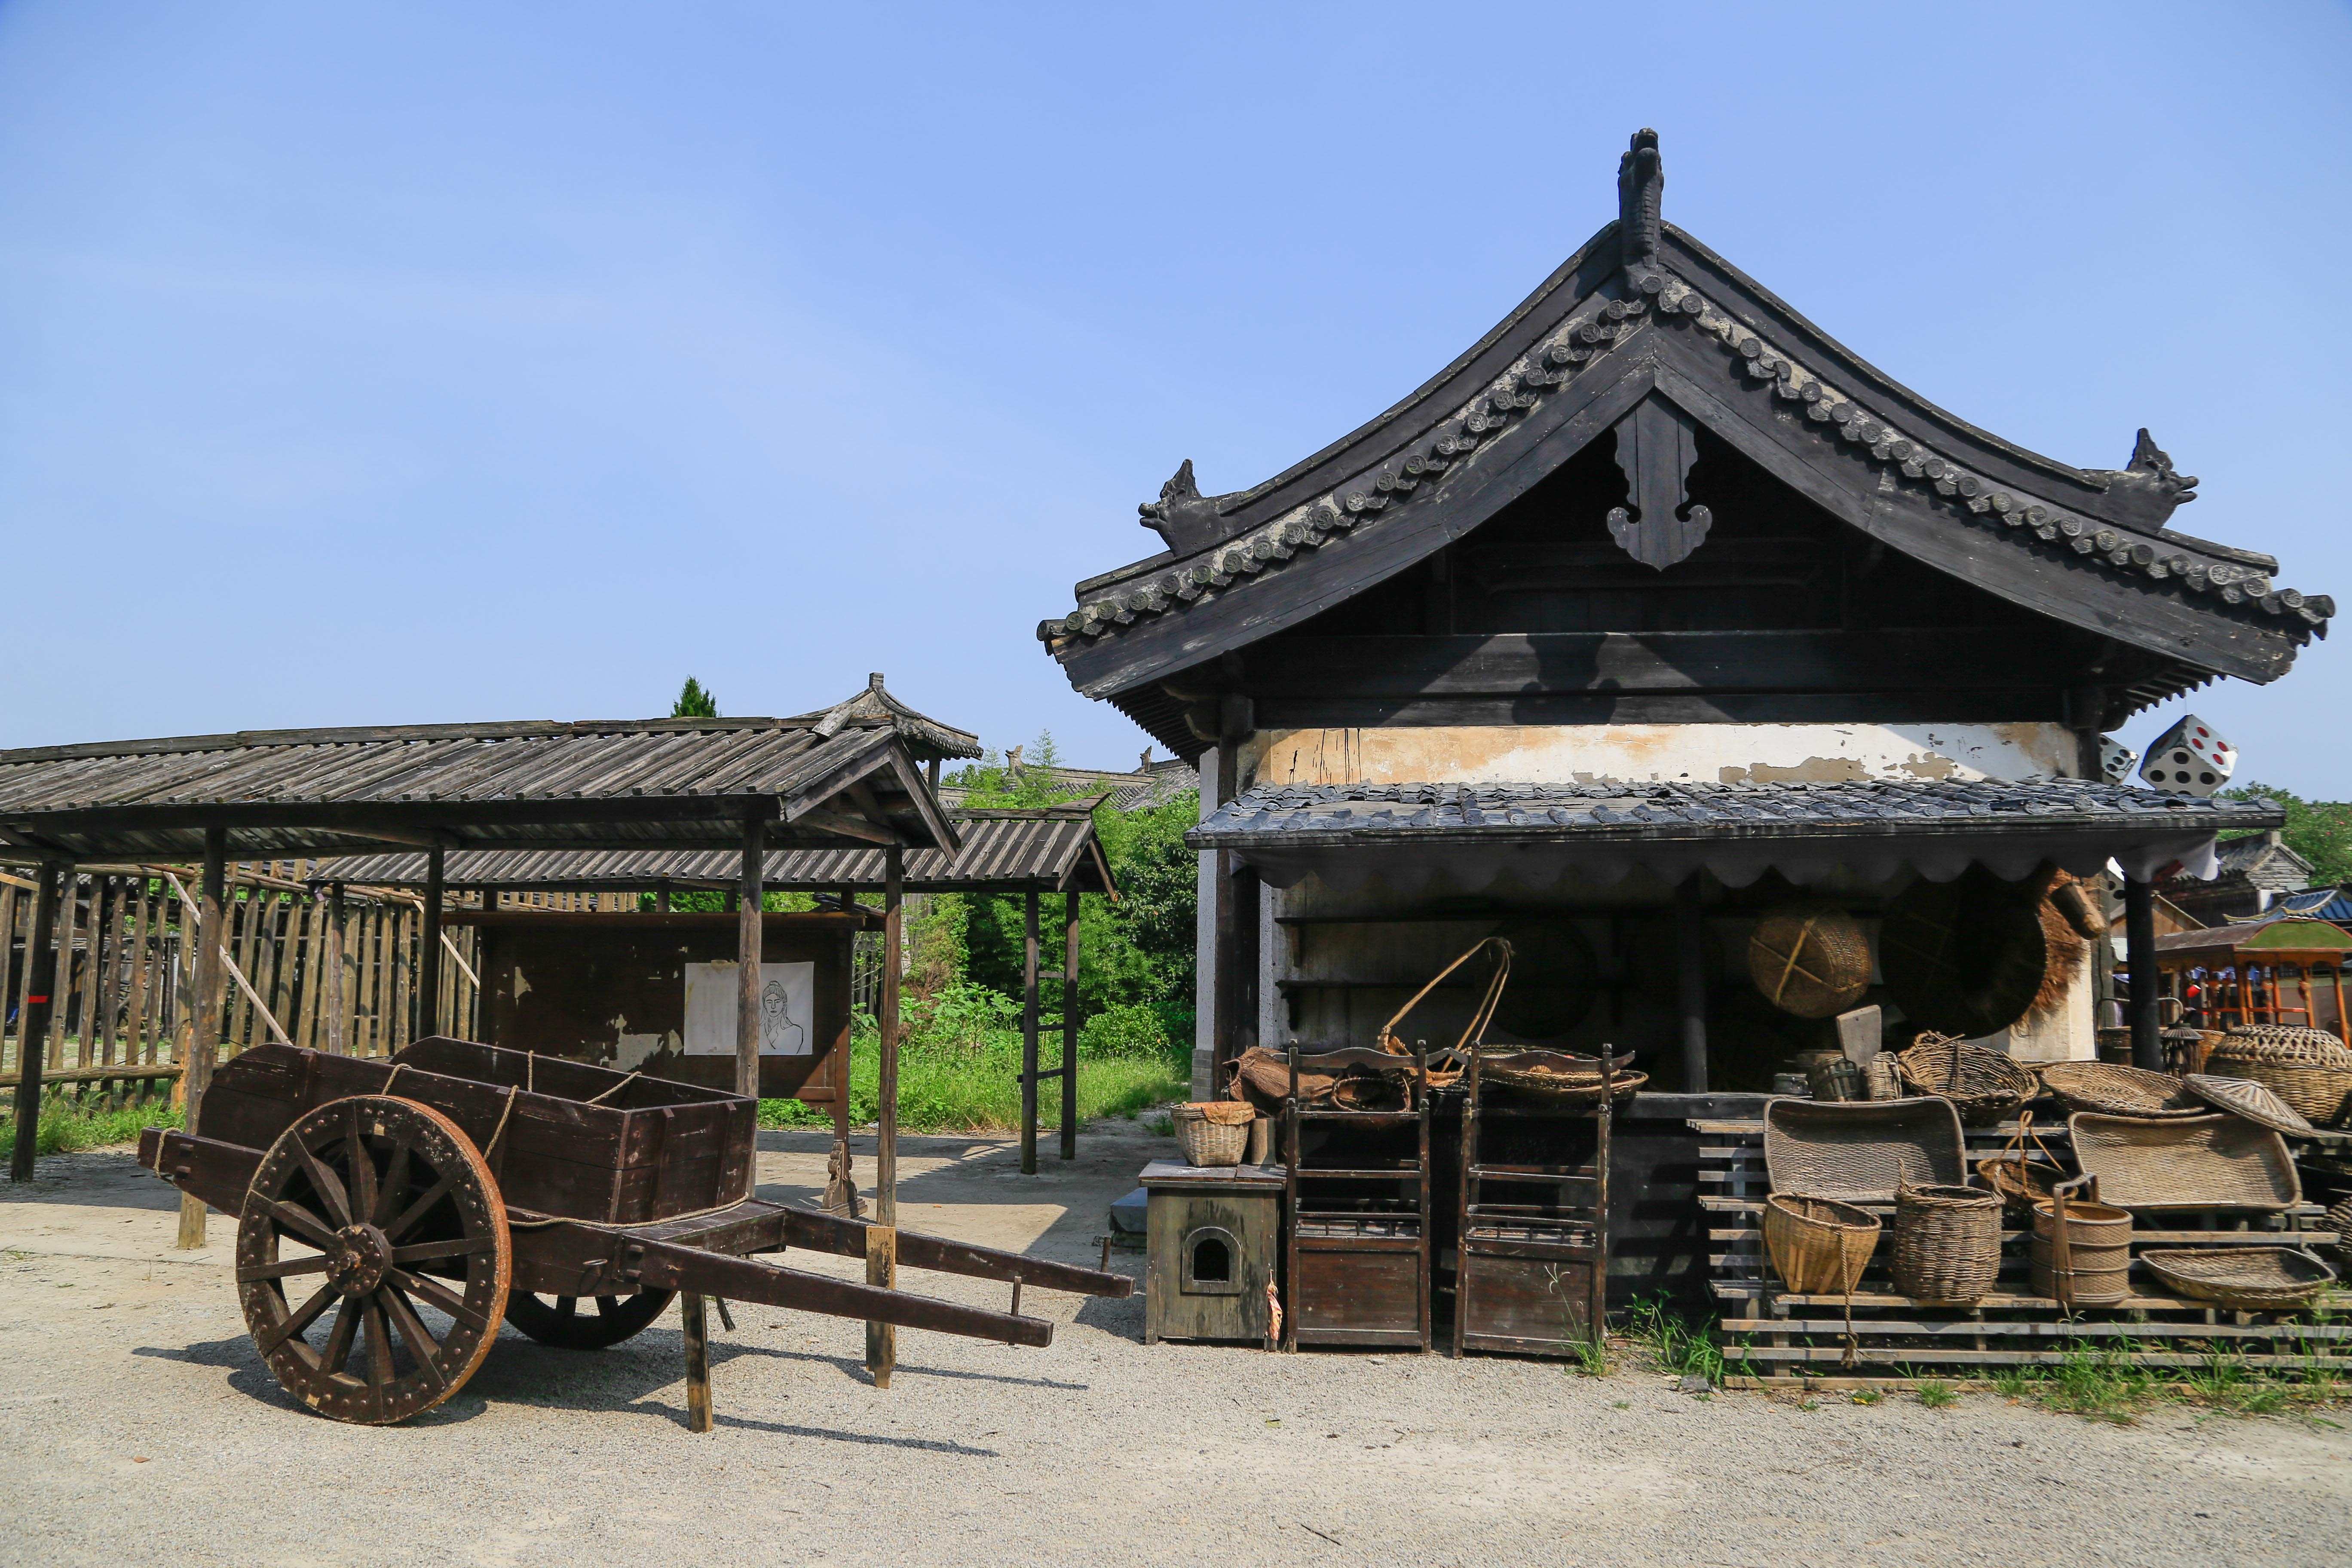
{"points": [[141, 1427]]}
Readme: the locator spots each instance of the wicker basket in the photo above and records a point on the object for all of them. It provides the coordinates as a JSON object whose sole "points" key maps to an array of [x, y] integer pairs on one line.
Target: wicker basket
{"points": [[1213, 1133], [2119, 1091], [2309, 1070], [2194, 1164], [1860, 1152], [1812, 960], [2098, 1247], [1946, 1243], [2250, 1278], [2017, 1180], [2339, 1220], [1819, 1246], [1982, 1085], [2245, 1097], [1555, 1075]]}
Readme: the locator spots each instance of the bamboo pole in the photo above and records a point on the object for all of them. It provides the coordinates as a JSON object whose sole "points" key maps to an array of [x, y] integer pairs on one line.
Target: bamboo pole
{"points": [[204, 1013]]}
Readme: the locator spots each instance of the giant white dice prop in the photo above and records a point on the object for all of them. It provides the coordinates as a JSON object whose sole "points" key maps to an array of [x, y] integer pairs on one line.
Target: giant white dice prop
{"points": [[2116, 759], [2190, 758]]}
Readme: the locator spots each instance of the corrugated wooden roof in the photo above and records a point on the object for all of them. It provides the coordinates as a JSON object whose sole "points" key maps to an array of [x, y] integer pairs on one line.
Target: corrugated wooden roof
{"points": [[668, 784], [1053, 849]]}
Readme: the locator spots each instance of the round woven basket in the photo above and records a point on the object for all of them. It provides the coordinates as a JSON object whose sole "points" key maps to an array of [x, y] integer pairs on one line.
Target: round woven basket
{"points": [[1812, 960], [2119, 1091], [2309, 1070], [2245, 1097], [2250, 1278], [1819, 1246], [2098, 1247], [1964, 957], [1209, 1134], [1946, 1243], [1577, 1087], [2339, 1220], [1981, 1084]]}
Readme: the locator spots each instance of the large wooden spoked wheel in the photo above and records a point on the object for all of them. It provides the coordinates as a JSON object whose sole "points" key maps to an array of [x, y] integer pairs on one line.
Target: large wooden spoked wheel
{"points": [[559, 1320], [381, 1214]]}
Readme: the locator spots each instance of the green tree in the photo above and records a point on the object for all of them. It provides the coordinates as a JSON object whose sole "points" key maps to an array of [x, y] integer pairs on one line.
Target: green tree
{"points": [[2318, 830], [694, 703]]}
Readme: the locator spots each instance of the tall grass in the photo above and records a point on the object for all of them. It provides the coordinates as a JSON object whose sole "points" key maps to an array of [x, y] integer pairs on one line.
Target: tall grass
{"points": [[65, 1126], [960, 1068]]}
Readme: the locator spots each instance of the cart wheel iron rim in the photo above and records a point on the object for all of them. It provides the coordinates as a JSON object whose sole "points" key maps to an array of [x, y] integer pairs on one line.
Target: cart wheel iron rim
{"points": [[558, 1321], [391, 1204]]}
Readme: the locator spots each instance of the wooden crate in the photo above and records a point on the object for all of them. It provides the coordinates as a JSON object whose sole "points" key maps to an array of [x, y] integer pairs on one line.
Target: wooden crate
{"points": [[1771, 1333], [1214, 1235]]}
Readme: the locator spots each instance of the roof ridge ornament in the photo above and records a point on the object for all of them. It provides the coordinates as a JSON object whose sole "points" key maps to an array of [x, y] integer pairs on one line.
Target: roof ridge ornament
{"points": [[2144, 493], [1641, 184], [1183, 516]]}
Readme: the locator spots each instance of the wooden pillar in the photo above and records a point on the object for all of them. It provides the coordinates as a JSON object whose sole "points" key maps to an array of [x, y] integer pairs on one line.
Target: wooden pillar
{"points": [[1690, 981], [33, 1017], [748, 934], [339, 1007], [694, 1314], [205, 1011], [428, 950], [931, 774], [2139, 952], [882, 1237], [661, 900], [1069, 1025], [1029, 1033]]}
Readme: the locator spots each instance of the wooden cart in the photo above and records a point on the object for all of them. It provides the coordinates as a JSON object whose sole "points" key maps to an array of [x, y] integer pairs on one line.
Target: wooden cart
{"points": [[466, 1184]]}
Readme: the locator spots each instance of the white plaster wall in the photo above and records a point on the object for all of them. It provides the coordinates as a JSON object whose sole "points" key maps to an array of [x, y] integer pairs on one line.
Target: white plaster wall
{"points": [[1703, 753]]}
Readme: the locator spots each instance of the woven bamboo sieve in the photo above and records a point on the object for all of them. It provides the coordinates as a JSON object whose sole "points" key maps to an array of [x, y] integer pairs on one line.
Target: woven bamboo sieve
{"points": [[1819, 1246], [1946, 1243], [2308, 1068], [2249, 1279], [2115, 1091]]}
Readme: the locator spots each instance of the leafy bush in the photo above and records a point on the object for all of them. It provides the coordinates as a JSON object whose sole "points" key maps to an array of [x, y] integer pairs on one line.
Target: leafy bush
{"points": [[1126, 1031]]}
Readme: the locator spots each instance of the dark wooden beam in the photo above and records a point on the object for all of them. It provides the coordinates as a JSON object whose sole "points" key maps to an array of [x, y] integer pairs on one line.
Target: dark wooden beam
{"points": [[2139, 951], [749, 933], [1690, 981], [33, 1019], [203, 1028], [428, 957], [1069, 1025], [1029, 1033]]}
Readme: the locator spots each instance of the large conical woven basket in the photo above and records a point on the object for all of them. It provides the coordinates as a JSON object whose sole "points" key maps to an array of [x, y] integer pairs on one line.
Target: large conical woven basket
{"points": [[1946, 1243], [1819, 1246], [2308, 1068]]}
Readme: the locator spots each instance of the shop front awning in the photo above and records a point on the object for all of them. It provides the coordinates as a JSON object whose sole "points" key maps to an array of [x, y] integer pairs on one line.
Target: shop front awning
{"points": [[1540, 835]]}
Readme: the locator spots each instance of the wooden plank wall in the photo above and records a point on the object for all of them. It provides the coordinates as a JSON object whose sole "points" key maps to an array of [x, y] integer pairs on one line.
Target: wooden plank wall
{"points": [[125, 968]]}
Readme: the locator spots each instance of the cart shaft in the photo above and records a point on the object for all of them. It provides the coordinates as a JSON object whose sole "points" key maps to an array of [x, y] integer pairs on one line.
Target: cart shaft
{"points": [[668, 1265]]}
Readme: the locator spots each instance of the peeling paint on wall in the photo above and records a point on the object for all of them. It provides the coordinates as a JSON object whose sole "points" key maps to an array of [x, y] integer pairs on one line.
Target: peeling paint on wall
{"points": [[1710, 753]]}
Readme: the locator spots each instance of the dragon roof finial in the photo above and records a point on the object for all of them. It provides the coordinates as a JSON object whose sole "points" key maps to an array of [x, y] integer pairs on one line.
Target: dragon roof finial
{"points": [[1641, 180]]}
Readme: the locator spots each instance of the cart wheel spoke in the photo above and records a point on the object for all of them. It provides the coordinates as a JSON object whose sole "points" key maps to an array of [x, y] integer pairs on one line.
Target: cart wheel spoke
{"points": [[294, 1323], [323, 1182], [565, 1306], [339, 1339], [447, 1209], [394, 1187], [420, 1342], [442, 1296], [363, 1172], [420, 1208]]}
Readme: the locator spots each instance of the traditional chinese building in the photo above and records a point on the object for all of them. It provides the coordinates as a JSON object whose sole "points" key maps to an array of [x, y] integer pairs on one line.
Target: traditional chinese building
{"points": [[1656, 608]]}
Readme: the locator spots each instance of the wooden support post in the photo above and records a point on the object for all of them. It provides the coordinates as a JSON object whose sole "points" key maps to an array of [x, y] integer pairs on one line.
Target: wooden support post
{"points": [[1690, 981], [885, 1141], [429, 961], [1069, 1025], [661, 900], [1029, 1033], [748, 935], [2139, 952], [693, 1310], [339, 1006], [33, 1017], [882, 1271], [203, 1028]]}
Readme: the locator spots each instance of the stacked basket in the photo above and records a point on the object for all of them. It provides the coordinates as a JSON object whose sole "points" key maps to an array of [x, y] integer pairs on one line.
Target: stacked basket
{"points": [[2308, 1068]]}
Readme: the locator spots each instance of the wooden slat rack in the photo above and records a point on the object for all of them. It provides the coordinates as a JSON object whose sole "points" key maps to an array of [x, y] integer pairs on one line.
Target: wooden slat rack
{"points": [[1771, 1336]]}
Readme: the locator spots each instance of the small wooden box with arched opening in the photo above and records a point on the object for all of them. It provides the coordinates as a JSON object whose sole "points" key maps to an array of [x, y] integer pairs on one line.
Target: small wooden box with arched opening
{"points": [[1214, 1237]]}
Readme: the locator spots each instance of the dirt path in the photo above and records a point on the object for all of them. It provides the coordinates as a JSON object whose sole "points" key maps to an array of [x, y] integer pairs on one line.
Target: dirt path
{"points": [[139, 1428]]}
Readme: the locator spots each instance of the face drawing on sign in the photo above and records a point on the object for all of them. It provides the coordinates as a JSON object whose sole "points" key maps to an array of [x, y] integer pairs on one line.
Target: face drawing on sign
{"points": [[778, 1033]]}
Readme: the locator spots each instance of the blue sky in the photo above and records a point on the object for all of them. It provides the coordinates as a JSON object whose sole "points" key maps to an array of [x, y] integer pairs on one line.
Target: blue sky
{"points": [[373, 364]]}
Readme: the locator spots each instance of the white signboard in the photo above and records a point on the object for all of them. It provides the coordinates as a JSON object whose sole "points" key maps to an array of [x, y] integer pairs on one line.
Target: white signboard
{"points": [[787, 1009]]}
